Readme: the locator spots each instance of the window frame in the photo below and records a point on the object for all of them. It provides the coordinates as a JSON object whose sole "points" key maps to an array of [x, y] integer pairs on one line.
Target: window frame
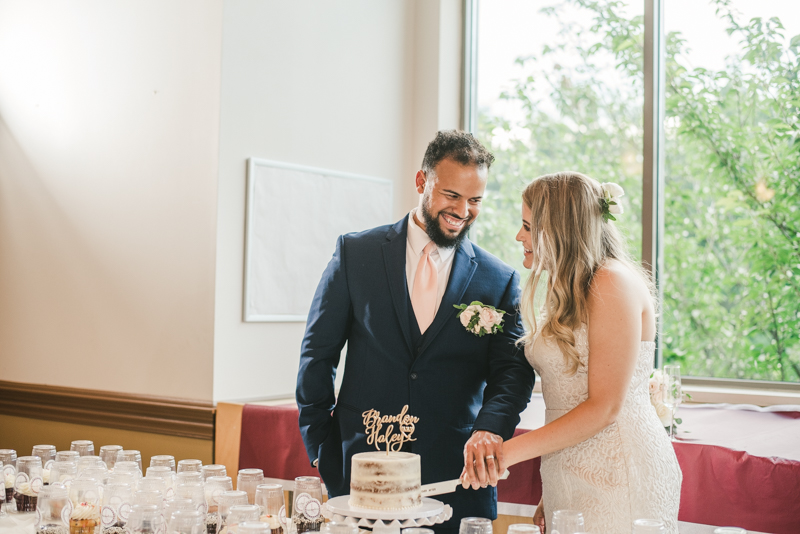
{"points": [[723, 389]]}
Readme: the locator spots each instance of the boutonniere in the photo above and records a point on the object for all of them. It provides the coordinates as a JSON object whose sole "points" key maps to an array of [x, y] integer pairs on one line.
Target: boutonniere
{"points": [[479, 318]]}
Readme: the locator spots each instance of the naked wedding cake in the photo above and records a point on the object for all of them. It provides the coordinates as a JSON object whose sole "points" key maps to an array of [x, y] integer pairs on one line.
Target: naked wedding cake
{"points": [[383, 481]]}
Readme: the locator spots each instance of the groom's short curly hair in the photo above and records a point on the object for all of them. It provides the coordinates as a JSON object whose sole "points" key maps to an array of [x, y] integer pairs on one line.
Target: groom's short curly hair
{"points": [[457, 145]]}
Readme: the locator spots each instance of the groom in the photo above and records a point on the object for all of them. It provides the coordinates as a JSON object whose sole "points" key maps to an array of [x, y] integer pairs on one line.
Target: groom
{"points": [[389, 293]]}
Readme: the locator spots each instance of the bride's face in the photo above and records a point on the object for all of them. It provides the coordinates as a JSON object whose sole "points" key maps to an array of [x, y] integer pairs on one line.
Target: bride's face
{"points": [[524, 237]]}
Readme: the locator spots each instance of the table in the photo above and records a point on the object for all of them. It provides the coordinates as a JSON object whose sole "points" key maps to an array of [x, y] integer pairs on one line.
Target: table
{"points": [[741, 464], [24, 524]]}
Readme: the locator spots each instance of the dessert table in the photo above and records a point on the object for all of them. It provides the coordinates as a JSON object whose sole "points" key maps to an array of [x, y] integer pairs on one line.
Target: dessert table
{"points": [[741, 464]]}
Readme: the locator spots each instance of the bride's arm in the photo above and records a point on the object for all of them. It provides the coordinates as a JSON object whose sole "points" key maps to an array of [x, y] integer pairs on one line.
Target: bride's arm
{"points": [[616, 309]]}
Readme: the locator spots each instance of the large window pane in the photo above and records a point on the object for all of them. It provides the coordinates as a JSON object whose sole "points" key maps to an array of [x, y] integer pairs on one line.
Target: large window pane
{"points": [[732, 163], [560, 87]]}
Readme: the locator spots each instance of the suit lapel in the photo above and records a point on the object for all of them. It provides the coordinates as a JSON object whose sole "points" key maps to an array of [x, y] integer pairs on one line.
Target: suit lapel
{"points": [[394, 256], [464, 265]]}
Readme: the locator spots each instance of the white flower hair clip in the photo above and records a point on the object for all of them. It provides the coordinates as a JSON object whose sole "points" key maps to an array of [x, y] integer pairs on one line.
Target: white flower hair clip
{"points": [[609, 202]]}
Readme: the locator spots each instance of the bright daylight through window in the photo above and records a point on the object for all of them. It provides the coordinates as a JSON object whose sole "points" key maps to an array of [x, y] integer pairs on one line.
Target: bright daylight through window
{"points": [[567, 93]]}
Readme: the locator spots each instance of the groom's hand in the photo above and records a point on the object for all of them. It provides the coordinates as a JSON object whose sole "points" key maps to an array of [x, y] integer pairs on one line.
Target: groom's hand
{"points": [[483, 460]]}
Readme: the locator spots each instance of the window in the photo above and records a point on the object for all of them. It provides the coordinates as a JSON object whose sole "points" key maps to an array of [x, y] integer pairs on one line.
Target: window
{"points": [[568, 92]]}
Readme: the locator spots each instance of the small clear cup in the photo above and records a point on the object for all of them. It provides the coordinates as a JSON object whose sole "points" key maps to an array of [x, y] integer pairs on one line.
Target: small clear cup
{"points": [[83, 447], [53, 510], [130, 455], [214, 488], [108, 453], [28, 483], [226, 500], [176, 505], [214, 470], [188, 477], [307, 505], [649, 526], [148, 498], [248, 480], [125, 466], [8, 461], [163, 460], [117, 504], [186, 522], [164, 473], [190, 465], [63, 472], [239, 513], [67, 456], [475, 525], [270, 499], [145, 519], [47, 453], [195, 492]]}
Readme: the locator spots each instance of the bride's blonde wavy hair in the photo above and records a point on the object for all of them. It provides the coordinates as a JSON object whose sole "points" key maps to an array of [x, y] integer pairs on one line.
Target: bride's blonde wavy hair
{"points": [[570, 242]]}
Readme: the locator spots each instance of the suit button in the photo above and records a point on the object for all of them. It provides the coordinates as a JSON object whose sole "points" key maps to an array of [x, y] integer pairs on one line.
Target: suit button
{"points": [[413, 376]]}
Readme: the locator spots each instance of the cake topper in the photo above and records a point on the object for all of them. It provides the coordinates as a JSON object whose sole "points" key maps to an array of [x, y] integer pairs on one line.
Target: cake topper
{"points": [[377, 434]]}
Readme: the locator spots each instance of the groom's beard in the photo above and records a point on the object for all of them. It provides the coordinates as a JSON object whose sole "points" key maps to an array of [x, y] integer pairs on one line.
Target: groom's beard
{"points": [[434, 229]]}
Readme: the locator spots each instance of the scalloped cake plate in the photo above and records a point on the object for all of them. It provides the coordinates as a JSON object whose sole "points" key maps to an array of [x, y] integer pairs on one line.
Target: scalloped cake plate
{"points": [[431, 512]]}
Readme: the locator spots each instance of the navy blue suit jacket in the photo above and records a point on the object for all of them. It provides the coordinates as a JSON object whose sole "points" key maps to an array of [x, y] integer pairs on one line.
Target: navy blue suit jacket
{"points": [[454, 381]]}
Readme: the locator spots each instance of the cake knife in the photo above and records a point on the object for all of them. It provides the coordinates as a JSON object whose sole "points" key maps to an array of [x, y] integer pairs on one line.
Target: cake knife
{"points": [[448, 486]]}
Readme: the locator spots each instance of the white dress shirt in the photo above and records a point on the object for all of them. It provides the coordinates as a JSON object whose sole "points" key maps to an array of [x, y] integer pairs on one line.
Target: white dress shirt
{"points": [[442, 257]]}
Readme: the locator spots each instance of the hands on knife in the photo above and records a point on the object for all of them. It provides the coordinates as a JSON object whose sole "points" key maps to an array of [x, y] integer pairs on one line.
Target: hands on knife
{"points": [[483, 460]]}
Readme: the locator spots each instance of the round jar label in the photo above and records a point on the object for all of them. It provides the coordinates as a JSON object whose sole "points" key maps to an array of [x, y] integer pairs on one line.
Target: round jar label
{"points": [[312, 509], [48, 464], [124, 511], [36, 484], [282, 515], [108, 516], [22, 478], [38, 518], [300, 503], [66, 512]]}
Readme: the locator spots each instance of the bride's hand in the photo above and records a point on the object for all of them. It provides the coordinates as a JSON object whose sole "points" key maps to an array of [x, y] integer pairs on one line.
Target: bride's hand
{"points": [[538, 517]]}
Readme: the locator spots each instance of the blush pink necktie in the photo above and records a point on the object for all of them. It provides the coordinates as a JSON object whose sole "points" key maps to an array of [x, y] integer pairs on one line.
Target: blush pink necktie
{"points": [[426, 288]]}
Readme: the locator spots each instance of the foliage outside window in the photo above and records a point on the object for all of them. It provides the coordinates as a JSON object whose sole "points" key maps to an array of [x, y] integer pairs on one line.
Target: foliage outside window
{"points": [[731, 282]]}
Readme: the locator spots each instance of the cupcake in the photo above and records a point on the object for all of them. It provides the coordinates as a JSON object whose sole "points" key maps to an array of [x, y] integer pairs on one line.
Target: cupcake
{"points": [[85, 519], [9, 483], [26, 498]]}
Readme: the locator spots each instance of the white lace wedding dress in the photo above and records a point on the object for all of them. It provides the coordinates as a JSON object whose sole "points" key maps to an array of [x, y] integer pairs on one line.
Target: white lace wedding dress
{"points": [[627, 471]]}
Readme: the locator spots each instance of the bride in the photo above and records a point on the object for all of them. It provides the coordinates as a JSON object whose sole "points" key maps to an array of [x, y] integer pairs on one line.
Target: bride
{"points": [[604, 451]]}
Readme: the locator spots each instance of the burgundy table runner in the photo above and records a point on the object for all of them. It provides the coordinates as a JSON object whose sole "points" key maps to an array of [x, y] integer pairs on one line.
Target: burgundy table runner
{"points": [[721, 485]]}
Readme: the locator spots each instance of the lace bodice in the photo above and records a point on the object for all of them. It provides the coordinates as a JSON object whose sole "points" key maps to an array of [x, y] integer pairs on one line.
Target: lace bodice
{"points": [[562, 391], [625, 472]]}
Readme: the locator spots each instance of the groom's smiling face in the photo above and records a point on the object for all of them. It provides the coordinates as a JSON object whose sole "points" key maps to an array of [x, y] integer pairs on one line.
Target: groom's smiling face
{"points": [[450, 200]]}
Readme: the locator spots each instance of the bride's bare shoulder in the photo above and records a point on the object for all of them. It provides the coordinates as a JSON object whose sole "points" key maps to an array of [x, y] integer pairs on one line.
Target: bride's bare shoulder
{"points": [[617, 280]]}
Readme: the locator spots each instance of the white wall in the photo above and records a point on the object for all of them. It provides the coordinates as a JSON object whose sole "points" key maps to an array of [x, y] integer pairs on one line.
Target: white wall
{"points": [[108, 177], [124, 131], [352, 86]]}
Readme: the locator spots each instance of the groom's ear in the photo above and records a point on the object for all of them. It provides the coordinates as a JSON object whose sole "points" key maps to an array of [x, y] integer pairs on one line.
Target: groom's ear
{"points": [[420, 181]]}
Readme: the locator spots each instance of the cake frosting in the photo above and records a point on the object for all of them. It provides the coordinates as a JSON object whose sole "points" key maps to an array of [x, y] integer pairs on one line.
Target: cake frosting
{"points": [[85, 510], [9, 480], [384, 481], [26, 489]]}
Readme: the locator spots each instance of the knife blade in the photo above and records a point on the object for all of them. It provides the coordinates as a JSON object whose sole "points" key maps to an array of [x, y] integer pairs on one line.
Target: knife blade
{"points": [[448, 486]]}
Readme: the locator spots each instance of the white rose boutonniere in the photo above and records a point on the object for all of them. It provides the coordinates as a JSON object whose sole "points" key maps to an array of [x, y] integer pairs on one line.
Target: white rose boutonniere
{"points": [[479, 318]]}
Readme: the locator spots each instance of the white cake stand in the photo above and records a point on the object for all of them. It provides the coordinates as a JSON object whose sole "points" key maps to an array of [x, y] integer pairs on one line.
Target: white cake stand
{"points": [[432, 512]]}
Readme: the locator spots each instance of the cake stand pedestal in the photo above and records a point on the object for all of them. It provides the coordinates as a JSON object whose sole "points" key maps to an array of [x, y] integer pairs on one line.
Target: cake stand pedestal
{"points": [[432, 512]]}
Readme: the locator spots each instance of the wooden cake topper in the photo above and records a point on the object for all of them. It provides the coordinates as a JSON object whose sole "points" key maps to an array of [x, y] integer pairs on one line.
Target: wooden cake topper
{"points": [[378, 434]]}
